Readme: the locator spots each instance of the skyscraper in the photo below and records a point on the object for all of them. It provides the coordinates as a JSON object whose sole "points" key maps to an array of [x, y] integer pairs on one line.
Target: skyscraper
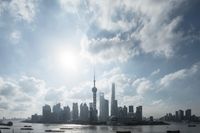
{"points": [[139, 113], [114, 106], [57, 112], [180, 115], [75, 111], [188, 113], [130, 111], [104, 108], [94, 109], [66, 114], [84, 112], [125, 111], [46, 113]]}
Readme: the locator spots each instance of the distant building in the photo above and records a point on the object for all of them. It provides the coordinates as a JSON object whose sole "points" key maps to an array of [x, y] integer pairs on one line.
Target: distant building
{"points": [[125, 111], [151, 118], [139, 113], [130, 111], [66, 114], [36, 118], [84, 112], [176, 115], [114, 105], [46, 113], [75, 111], [188, 114], [103, 108], [57, 112], [120, 113], [180, 115], [93, 111]]}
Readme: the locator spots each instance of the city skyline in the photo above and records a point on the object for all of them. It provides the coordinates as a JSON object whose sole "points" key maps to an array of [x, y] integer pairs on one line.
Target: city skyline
{"points": [[89, 114], [149, 49]]}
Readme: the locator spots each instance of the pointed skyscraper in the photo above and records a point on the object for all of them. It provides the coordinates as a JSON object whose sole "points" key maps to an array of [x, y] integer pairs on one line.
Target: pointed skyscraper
{"points": [[94, 109]]}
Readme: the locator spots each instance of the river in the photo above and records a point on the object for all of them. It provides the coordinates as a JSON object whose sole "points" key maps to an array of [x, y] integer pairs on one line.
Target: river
{"points": [[72, 128]]}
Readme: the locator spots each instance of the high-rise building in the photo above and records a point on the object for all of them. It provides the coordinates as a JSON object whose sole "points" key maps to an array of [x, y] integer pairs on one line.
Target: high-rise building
{"points": [[130, 111], [93, 111], [176, 115], [125, 111], [75, 111], [46, 113], [57, 112], [66, 114], [114, 106], [180, 115], [84, 112], [188, 114], [104, 108], [139, 113], [120, 113]]}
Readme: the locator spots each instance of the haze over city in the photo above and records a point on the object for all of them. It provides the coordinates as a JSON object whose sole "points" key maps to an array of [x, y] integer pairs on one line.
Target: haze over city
{"points": [[49, 51]]}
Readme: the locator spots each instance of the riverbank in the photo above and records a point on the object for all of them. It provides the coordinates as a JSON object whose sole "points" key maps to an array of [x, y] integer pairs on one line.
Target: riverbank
{"points": [[134, 123]]}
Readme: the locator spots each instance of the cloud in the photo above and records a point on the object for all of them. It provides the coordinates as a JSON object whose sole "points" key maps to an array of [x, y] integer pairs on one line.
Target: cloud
{"points": [[142, 85], [109, 49], [125, 29], [157, 102], [20, 9], [21, 94], [135, 100], [23, 9], [155, 72], [8, 89], [31, 85], [179, 75], [15, 37]]}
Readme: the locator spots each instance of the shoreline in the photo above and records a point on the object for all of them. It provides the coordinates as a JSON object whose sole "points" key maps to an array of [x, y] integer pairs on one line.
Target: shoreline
{"points": [[143, 123]]}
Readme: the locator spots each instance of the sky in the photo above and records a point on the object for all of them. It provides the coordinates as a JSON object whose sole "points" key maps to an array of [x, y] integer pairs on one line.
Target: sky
{"points": [[50, 48]]}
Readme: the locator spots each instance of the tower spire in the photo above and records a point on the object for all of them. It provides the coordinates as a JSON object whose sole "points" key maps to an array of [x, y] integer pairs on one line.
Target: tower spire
{"points": [[94, 77]]}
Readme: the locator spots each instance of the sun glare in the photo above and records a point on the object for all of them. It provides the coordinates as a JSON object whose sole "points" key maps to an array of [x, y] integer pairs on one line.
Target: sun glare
{"points": [[68, 60]]}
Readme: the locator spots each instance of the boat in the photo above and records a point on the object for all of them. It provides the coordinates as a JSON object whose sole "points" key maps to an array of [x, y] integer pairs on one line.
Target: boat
{"points": [[175, 131], [123, 131], [191, 125], [4, 128], [54, 130], [26, 128], [66, 128]]}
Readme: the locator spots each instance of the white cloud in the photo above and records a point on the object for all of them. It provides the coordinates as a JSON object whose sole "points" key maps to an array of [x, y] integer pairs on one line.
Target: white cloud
{"points": [[21, 94], [178, 75], [160, 38], [31, 85], [20, 9], [15, 36], [155, 72], [104, 49], [134, 27], [157, 102], [135, 100], [142, 85]]}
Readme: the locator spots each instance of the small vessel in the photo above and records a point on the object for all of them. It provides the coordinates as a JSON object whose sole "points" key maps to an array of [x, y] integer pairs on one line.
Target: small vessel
{"points": [[4, 128], [26, 128], [175, 131], [54, 130], [66, 128], [191, 125], [123, 131]]}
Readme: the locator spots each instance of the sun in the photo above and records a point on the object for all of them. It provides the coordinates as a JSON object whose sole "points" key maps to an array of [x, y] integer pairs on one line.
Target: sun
{"points": [[68, 60]]}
